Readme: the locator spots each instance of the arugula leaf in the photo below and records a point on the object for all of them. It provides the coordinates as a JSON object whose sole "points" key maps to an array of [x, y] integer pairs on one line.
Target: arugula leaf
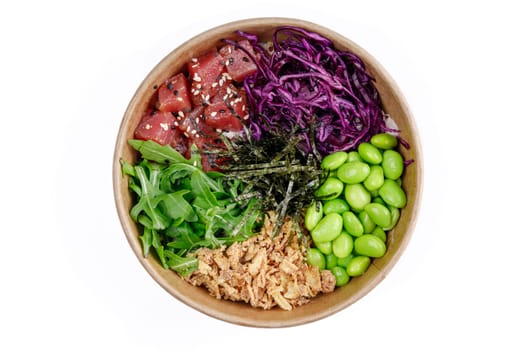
{"points": [[181, 208], [151, 150], [176, 205], [182, 265], [200, 186]]}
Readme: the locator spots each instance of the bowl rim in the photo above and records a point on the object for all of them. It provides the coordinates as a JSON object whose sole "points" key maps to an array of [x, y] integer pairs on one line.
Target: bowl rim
{"points": [[118, 177]]}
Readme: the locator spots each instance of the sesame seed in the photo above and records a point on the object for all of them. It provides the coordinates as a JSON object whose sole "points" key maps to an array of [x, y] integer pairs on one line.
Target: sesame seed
{"points": [[176, 123], [228, 90], [197, 136], [214, 84], [186, 134], [197, 120], [196, 77], [193, 132], [246, 117], [199, 86], [181, 113], [194, 65], [179, 99], [188, 129], [164, 126], [196, 92], [243, 108], [148, 126], [221, 82], [213, 114], [226, 62], [194, 60]]}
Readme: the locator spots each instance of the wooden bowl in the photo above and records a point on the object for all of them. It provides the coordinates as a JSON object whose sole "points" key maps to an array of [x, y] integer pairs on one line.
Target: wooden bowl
{"points": [[240, 313]]}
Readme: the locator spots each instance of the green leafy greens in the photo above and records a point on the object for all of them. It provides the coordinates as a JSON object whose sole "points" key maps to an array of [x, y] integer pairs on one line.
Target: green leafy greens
{"points": [[181, 208]]}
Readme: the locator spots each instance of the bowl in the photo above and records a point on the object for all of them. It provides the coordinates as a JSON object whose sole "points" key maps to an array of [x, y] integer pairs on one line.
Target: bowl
{"points": [[325, 304]]}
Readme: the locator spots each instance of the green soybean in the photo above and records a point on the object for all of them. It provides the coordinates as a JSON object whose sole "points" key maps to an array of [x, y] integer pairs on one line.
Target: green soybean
{"points": [[366, 221], [324, 247], [369, 153], [315, 258], [331, 261], [337, 205], [370, 245], [314, 214], [379, 232], [375, 179], [379, 214], [353, 156], [330, 189], [384, 141], [328, 228], [394, 217], [378, 199], [392, 194], [334, 160], [342, 246], [353, 173], [392, 164], [358, 266], [352, 224], [341, 277], [357, 196], [343, 262]]}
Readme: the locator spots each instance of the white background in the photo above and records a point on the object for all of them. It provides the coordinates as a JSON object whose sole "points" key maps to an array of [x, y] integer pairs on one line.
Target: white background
{"points": [[68, 276]]}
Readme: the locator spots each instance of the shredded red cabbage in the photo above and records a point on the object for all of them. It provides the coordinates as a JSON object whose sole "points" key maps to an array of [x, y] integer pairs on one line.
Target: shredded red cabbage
{"points": [[304, 82]]}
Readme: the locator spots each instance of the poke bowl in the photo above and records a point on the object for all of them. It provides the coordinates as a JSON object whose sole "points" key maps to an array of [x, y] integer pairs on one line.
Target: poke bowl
{"points": [[178, 111]]}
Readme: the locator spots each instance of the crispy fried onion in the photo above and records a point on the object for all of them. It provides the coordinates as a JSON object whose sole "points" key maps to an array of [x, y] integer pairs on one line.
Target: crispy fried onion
{"points": [[262, 271]]}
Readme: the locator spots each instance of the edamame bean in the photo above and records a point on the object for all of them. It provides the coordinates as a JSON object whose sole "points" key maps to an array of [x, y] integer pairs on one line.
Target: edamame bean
{"points": [[315, 258], [342, 246], [375, 179], [357, 196], [343, 262], [394, 217], [366, 221], [337, 205], [352, 224], [379, 232], [331, 261], [392, 164], [353, 156], [334, 160], [353, 173], [378, 199], [328, 228], [330, 189], [341, 277], [370, 245], [324, 247], [392, 194], [369, 153], [384, 141], [358, 266], [314, 214], [379, 214]]}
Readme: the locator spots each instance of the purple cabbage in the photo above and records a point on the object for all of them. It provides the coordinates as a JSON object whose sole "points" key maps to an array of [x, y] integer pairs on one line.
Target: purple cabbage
{"points": [[305, 81]]}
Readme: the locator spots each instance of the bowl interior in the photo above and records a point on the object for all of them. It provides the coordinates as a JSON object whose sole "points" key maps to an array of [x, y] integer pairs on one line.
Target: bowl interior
{"points": [[241, 313]]}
